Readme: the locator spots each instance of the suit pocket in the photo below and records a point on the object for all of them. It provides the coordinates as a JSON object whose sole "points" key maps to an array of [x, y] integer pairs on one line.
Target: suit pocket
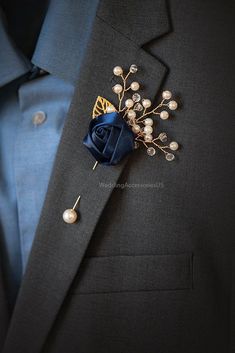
{"points": [[134, 273]]}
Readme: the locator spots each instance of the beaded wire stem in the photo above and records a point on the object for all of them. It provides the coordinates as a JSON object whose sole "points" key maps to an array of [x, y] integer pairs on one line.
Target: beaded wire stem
{"points": [[136, 111]]}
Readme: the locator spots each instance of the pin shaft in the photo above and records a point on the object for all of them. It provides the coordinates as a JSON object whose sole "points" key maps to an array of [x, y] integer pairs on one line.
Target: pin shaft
{"points": [[76, 202], [95, 165]]}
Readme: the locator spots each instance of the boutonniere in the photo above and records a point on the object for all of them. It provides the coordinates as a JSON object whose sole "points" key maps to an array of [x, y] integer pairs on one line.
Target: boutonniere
{"points": [[114, 132]]}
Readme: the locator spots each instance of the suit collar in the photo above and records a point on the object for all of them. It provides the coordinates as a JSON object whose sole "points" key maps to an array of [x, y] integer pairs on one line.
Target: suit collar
{"points": [[59, 248], [63, 37]]}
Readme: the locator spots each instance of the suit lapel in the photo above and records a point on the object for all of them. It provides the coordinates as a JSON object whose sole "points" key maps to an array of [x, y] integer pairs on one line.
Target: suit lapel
{"points": [[59, 248]]}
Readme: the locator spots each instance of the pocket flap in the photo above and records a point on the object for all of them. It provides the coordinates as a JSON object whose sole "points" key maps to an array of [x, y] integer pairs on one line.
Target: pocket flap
{"points": [[134, 273]]}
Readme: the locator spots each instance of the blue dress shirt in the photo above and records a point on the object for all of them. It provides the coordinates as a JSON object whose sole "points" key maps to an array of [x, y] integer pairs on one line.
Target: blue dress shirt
{"points": [[32, 115]]}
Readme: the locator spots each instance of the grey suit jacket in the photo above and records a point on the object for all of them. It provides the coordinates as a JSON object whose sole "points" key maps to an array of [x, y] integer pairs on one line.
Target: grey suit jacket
{"points": [[145, 270]]}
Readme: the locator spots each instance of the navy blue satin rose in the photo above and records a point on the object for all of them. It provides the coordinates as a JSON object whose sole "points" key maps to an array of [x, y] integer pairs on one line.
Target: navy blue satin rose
{"points": [[109, 138]]}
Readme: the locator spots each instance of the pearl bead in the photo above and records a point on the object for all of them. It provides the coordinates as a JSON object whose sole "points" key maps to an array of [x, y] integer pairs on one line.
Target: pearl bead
{"points": [[148, 129], [117, 88], [110, 109], [148, 138], [135, 86], [164, 115], [148, 121], [166, 95], [146, 103], [172, 105], [131, 114], [174, 146], [136, 129], [169, 157], [118, 71], [129, 103], [70, 216]]}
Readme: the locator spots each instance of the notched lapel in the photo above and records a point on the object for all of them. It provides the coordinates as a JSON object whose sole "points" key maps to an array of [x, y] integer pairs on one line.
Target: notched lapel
{"points": [[140, 21], [59, 248]]}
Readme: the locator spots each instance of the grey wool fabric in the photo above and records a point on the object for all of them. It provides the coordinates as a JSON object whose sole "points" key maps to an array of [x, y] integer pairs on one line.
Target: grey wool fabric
{"points": [[148, 269]]}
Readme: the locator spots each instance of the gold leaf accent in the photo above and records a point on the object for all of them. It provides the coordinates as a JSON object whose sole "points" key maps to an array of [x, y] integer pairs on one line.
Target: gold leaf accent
{"points": [[101, 106]]}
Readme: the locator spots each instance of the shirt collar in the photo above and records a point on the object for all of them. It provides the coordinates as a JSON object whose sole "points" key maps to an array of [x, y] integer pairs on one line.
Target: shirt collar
{"points": [[12, 63], [61, 44]]}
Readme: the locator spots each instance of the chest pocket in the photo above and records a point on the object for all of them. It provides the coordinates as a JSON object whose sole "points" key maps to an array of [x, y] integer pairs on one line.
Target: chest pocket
{"points": [[134, 273]]}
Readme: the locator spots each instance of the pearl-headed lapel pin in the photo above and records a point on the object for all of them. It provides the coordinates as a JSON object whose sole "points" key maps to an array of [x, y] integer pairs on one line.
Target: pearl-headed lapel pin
{"points": [[71, 215]]}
